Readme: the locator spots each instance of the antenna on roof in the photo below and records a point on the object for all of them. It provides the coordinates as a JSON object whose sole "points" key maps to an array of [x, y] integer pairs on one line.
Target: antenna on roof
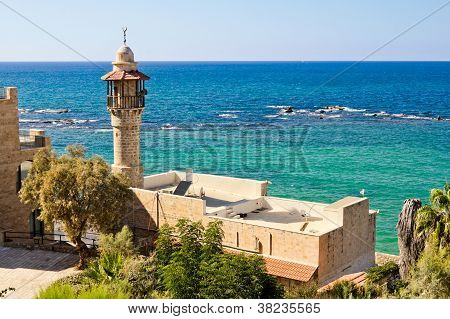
{"points": [[124, 30]]}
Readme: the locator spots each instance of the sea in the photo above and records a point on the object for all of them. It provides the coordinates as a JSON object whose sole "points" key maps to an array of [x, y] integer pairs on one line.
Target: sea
{"points": [[318, 131]]}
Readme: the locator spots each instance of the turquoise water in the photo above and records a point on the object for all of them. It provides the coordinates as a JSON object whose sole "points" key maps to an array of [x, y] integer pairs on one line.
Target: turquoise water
{"points": [[227, 118]]}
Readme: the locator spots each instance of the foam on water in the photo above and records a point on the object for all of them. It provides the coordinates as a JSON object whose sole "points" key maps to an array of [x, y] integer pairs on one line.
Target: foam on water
{"points": [[229, 115]]}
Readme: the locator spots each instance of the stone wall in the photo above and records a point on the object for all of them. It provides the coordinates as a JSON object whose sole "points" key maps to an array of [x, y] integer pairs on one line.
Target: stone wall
{"points": [[350, 248], [126, 125], [13, 214]]}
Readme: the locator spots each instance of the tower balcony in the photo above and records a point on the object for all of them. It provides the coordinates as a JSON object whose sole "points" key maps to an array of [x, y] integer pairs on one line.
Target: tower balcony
{"points": [[125, 102]]}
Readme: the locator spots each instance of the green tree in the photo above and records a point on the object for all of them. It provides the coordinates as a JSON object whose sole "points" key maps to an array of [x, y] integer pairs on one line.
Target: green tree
{"points": [[238, 276], [197, 267], [434, 219], [165, 246], [78, 192], [212, 240], [181, 276]]}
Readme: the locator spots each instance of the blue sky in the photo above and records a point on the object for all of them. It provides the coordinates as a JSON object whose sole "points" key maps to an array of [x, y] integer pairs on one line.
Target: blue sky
{"points": [[219, 30]]}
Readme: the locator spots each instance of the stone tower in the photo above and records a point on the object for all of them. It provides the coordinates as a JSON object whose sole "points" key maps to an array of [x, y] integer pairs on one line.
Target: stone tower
{"points": [[126, 102]]}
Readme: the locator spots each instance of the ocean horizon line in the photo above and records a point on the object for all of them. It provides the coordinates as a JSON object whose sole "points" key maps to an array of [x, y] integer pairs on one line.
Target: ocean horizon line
{"points": [[237, 61]]}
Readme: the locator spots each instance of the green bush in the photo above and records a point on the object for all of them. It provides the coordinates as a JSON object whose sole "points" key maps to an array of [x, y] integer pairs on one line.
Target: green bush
{"points": [[121, 243], [62, 290], [196, 267], [106, 268], [111, 291], [57, 291], [78, 282], [430, 278], [378, 273], [140, 274], [349, 290], [304, 291], [238, 276]]}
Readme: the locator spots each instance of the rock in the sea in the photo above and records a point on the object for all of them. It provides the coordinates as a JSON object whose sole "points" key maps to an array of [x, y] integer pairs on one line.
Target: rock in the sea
{"points": [[288, 109], [409, 244]]}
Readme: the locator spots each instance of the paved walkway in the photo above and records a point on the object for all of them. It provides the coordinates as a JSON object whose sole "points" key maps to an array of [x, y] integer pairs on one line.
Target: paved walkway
{"points": [[30, 270]]}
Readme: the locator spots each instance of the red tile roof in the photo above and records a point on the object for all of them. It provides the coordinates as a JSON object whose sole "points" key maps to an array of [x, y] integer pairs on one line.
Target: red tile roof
{"points": [[282, 268], [289, 269], [124, 75], [358, 279]]}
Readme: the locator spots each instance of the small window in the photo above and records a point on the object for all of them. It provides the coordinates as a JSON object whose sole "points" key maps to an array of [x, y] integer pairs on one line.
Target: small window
{"points": [[270, 244], [237, 239]]}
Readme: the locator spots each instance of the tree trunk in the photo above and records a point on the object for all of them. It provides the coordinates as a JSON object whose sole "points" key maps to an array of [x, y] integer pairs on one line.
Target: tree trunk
{"points": [[410, 246], [83, 251]]}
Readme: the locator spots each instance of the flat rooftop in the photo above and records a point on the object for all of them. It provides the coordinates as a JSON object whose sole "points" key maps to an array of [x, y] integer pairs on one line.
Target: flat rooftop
{"points": [[246, 201]]}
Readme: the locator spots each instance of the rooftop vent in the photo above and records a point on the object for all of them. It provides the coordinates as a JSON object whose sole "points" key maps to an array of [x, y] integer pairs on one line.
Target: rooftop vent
{"points": [[189, 175]]}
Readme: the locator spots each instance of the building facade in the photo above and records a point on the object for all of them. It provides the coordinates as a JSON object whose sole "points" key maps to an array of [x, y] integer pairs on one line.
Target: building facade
{"points": [[17, 149], [299, 240]]}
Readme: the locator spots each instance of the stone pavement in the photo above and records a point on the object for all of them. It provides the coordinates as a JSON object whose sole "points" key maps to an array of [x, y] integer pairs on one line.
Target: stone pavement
{"points": [[30, 270]]}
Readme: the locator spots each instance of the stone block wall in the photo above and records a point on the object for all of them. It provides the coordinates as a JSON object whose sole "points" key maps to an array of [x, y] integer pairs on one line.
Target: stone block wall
{"points": [[13, 214], [126, 125]]}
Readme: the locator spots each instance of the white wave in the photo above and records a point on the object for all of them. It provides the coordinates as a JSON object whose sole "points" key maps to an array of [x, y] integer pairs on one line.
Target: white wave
{"points": [[228, 115], [349, 109], [271, 116], [232, 111], [169, 126], [411, 117], [334, 108], [101, 130]]}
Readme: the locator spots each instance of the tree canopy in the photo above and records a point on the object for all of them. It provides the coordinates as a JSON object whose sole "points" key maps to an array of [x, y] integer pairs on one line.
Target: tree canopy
{"points": [[77, 192], [194, 265], [434, 219]]}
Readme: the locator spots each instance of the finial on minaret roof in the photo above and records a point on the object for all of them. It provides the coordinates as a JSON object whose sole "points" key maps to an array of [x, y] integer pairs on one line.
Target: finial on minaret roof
{"points": [[124, 29]]}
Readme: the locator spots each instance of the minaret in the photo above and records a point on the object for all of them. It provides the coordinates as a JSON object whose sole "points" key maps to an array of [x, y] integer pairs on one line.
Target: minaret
{"points": [[125, 102]]}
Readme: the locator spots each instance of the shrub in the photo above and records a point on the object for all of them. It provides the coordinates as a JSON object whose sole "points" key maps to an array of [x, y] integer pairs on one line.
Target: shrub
{"points": [[106, 268], [378, 273], [430, 277], [238, 276], [349, 290], [304, 291], [104, 292], [57, 291], [140, 274], [121, 243], [61, 289], [78, 282]]}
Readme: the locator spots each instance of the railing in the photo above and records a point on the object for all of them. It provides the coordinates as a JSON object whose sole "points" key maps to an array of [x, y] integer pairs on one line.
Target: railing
{"points": [[2, 93], [125, 102], [45, 237], [60, 238]]}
